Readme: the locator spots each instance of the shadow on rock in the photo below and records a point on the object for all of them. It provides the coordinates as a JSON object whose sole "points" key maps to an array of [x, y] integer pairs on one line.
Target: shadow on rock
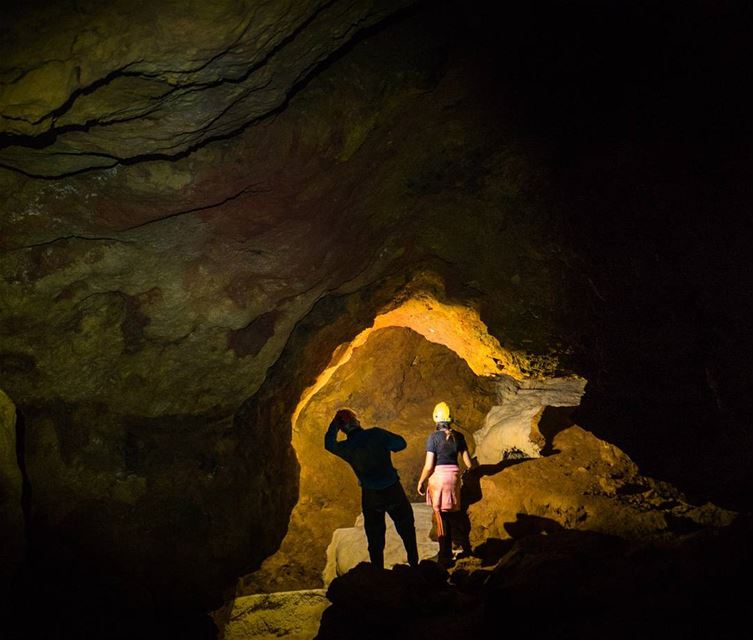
{"points": [[528, 525], [580, 584], [554, 420], [401, 603], [492, 550], [470, 492], [553, 582]]}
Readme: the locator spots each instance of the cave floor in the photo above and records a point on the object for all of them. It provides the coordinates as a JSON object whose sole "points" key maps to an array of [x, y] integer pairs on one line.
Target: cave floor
{"points": [[551, 583]]}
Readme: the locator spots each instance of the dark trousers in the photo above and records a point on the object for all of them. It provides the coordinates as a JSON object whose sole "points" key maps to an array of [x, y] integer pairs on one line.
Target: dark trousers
{"points": [[375, 503], [452, 526]]}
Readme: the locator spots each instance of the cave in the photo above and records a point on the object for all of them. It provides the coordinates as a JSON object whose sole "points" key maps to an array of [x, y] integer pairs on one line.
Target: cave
{"points": [[224, 221]]}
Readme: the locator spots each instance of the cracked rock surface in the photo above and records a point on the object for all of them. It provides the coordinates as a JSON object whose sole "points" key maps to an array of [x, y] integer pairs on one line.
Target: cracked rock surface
{"points": [[123, 81], [158, 320], [204, 203]]}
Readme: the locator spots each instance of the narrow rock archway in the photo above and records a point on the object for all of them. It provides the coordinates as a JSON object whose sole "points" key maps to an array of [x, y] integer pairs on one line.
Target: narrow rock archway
{"points": [[420, 351]]}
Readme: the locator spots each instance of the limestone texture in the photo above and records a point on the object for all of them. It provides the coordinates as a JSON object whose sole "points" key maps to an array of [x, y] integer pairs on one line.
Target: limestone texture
{"points": [[113, 83], [293, 615], [12, 540], [349, 546], [511, 424], [393, 381], [205, 203], [583, 484]]}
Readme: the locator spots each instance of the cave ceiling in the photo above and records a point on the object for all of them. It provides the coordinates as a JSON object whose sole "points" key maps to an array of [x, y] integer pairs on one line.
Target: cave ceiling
{"points": [[180, 192]]}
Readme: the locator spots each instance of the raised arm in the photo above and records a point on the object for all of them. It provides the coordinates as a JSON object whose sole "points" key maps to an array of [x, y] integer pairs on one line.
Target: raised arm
{"points": [[425, 472], [330, 438]]}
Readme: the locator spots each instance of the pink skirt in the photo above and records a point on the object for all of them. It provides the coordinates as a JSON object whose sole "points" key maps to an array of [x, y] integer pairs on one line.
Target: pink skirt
{"points": [[443, 492]]}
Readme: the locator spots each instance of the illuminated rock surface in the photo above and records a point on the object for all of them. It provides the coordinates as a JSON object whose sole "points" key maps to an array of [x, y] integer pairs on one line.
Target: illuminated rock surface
{"points": [[516, 412], [293, 615], [583, 484], [392, 381], [349, 546]]}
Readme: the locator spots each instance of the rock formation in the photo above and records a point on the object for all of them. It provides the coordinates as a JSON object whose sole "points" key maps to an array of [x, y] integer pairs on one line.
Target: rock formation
{"points": [[11, 485], [293, 615], [349, 546], [518, 407], [210, 208], [585, 484]]}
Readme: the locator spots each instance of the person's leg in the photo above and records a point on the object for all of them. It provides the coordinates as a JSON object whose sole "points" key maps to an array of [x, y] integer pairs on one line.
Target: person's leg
{"points": [[461, 530], [445, 535], [401, 512], [373, 524]]}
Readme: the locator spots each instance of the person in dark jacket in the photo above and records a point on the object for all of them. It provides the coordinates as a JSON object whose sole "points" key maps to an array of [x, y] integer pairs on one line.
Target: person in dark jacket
{"points": [[368, 452]]}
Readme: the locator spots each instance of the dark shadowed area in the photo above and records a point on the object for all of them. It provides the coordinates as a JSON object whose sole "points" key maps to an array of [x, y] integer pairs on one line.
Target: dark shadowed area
{"points": [[222, 221]]}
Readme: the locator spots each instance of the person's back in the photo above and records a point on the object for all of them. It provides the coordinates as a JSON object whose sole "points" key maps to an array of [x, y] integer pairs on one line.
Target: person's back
{"points": [[369, 453], [446, 449]]}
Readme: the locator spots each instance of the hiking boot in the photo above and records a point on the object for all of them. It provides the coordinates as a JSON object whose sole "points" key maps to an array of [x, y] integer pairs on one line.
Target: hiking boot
{"points": [[443, 562]]}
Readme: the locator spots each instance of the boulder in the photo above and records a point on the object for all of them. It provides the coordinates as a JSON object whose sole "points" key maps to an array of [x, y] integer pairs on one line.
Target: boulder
{"points": [[349, 546], [399, 603], [293, 615], [587, 484], [510, 424]]}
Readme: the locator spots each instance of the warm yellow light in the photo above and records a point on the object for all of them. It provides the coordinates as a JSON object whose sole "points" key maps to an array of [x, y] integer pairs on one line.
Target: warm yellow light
{"points": [[457, 327]]}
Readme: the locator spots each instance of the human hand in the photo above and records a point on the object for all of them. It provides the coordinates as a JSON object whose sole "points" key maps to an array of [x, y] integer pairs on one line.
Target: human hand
{"points": [[420, 488]]}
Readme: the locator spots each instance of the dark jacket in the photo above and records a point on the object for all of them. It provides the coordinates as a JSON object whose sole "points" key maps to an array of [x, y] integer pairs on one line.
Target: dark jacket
{"points": [[368, 452]]}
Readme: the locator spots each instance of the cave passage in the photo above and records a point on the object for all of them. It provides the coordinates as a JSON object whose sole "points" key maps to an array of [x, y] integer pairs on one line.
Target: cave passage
{"points": [[391, 374], [392, 381]]}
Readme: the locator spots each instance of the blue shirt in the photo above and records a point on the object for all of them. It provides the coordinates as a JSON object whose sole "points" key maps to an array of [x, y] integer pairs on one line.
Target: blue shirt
{"points": [[446, 449], [368, 452]]}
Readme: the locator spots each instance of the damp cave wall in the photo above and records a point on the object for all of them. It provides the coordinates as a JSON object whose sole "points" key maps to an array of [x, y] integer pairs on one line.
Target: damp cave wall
{"points": [[634, 180]]}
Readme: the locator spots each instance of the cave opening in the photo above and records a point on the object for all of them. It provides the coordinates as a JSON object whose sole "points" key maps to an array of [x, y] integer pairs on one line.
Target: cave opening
{"points": [[393, 380], [569, 494], [418, 352]]}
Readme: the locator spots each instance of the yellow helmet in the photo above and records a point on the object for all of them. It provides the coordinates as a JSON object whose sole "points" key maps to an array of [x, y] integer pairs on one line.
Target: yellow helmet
{"points": [[442, 413]]}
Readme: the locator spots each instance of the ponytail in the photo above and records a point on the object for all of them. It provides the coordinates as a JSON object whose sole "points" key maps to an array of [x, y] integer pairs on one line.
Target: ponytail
{"points": [[449, 433]]}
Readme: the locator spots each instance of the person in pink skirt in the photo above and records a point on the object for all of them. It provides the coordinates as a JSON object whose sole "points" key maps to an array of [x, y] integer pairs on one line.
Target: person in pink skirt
{"points": [[441, 469]]}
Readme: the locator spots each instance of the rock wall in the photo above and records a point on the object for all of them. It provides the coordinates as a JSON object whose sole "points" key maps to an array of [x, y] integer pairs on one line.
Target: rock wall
{"points": [[392, 381], [103, 90], [512, 423], [159, 315], [202, 205], [12, 540]]}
